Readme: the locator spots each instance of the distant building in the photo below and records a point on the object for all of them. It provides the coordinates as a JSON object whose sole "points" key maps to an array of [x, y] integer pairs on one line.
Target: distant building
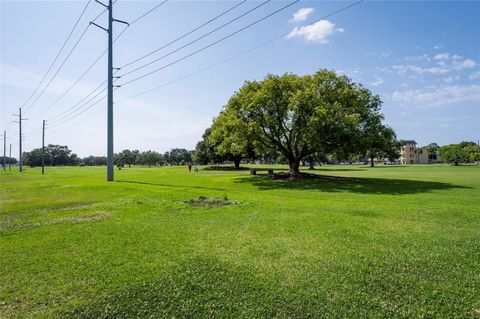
{"points": [[411, 154]]}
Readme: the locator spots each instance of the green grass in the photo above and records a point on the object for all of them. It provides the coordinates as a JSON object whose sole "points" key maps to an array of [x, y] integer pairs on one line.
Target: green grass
{"points": [[398, 242]]}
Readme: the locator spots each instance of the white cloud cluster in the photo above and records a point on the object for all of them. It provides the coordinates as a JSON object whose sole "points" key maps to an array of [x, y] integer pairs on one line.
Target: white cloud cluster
{"points": [[302, 14], [438, 96], [317, 32], [444, 63]]}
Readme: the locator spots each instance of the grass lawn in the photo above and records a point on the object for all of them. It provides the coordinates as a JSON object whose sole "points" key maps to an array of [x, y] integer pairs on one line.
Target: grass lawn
{"points": [[398, 242]]}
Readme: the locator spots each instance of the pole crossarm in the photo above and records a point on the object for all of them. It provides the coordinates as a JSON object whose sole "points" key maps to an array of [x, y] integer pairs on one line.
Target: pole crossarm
{"points": [[99, 2], [128, 24], [99, 26]]}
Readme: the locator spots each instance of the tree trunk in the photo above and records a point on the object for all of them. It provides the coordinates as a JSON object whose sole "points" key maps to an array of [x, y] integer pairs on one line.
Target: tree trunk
{"points": [[237, 162], [294, 167], [371, 160], [312, 167]]}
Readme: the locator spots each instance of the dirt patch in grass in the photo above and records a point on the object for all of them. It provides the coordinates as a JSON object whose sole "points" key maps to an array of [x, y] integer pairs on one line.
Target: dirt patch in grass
{"points": [[211, 202]]}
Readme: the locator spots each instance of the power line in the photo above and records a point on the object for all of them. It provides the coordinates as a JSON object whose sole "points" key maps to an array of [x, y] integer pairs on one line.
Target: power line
{"points": [[236, 55], [194, 41], [211, 44], [58, 54], [185, 34], [82, 120], [72, 108], [58, 70], [149, 11], [97, 59]]}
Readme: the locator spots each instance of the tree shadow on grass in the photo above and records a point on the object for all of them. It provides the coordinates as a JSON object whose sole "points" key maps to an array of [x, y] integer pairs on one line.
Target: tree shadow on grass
{"points": [[330, 169], [355, 185]]}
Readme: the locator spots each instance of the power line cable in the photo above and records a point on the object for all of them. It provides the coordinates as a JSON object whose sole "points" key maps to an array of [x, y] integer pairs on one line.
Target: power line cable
{"points": [[58, 54], [237, 55], [185, 34], [211, 44], [148, 12], [58, 70], [98, 58], [195, 40]]}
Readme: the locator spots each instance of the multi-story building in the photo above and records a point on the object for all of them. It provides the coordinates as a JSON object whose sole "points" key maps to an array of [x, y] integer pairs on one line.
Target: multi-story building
{"points": [[410, 154], [407, 151]]}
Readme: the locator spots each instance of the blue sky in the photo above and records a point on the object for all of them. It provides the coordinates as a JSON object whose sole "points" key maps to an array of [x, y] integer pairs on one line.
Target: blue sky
{"points": [[422, 58]]}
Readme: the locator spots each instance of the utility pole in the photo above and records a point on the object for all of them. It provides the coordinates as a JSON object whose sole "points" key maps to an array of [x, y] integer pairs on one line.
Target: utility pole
{"points": [[10, 158], [4, 149], [43, 148], [110, 169], [19, 115]]}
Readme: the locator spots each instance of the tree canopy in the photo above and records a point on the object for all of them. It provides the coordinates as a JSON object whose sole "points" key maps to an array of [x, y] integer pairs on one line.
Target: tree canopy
{"points": [[55, 155], [296, 116]]}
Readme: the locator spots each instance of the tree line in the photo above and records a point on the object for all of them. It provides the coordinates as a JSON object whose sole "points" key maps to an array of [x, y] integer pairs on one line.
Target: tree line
{"points": [[61, 155], [464, 152]]}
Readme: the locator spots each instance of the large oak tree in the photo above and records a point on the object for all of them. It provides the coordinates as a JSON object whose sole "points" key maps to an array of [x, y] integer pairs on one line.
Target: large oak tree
{"points": [[296, 116]]}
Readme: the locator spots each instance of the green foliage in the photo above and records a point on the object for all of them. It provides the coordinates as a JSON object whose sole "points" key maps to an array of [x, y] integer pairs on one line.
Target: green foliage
{"points": [[178, 156], [8, 160], [95, 161], [377, 140], [55, 155], [205, 151], [126, 157], [295, 116], [150, 158], [454, 153]]}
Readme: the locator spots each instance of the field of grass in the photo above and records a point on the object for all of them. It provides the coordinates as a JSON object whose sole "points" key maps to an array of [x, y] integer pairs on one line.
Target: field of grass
{"points": [[396, 242]]}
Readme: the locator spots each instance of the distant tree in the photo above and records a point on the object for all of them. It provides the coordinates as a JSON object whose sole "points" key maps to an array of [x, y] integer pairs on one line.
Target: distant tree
{"points": [[149, 158], [55, 155], [453, 153], [432, 147], [467, 143], [177, 156], [472, 152], [8, 160], [295, 116], [95, 161], [377, 140], [33, 158], [205, 151], [126, 157]]}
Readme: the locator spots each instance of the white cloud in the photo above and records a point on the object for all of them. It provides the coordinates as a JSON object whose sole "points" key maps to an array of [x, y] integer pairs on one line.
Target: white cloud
{"points": [[317, 32], [302, 14], [378, 81], [442, 56], [439, 96], [445, 64], [467, 64], [451, 79], [475, 75]]}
